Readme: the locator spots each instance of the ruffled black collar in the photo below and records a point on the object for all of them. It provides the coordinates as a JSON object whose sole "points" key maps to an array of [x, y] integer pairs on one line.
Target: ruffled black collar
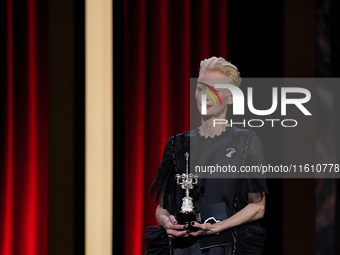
{"points": [[197, 133]]}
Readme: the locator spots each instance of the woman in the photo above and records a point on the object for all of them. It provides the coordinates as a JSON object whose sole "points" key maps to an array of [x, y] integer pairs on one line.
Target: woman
{"points": [[235, 204]]}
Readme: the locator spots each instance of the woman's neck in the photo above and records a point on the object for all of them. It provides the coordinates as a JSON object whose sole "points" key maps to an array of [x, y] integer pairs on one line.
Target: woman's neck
{"points": [[209, 128]]}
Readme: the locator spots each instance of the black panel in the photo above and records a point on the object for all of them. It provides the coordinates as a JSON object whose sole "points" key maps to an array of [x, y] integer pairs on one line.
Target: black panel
{"points": [[255, 46], [335, 38], [3, 100], [118, 128], [66, 127], [61, 128], [335, 58], [79, 127]]}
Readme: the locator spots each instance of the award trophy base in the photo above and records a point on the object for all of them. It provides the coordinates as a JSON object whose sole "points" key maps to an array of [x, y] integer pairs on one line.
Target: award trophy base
{"points": [[185, 218]]}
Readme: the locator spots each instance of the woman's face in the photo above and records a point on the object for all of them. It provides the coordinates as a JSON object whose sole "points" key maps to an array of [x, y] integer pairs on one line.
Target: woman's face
{"points": [[206, 83]]}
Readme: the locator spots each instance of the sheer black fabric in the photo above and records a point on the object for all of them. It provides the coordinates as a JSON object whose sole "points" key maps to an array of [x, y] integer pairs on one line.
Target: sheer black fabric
{"points": [[157, 241], [163, 187], [234, 193]]}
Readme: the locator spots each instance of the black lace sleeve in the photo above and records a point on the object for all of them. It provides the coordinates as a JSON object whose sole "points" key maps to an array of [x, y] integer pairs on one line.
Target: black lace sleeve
{"points": [[252, 190], [163, 187]]}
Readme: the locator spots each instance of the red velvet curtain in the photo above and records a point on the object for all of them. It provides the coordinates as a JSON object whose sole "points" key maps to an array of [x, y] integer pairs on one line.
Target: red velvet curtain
{"points": [[24, 142], [164, 43]]}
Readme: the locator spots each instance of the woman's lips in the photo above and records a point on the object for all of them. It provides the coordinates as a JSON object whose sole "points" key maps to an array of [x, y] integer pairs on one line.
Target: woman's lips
{"points": [[208, 106]]}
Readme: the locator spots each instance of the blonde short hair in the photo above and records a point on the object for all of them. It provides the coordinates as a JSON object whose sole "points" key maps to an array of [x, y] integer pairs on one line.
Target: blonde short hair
{"points": [[221, 65]]}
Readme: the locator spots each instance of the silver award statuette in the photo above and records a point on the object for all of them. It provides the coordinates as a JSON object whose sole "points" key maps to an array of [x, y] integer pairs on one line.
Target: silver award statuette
{"points": [[187, 213]]}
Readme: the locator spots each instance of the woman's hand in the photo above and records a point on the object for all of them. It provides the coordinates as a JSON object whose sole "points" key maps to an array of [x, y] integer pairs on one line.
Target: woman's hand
{"points": [[173, 229], [204, 229], [170, 224], [253, 211]]}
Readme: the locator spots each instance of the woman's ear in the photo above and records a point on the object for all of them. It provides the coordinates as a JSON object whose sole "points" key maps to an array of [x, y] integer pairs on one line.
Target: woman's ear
{"points": [[230, 100]]}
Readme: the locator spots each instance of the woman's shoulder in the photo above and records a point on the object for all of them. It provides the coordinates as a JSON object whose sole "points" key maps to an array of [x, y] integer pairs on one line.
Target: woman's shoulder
{"points": [[185, 135], [177, 139], [182, 138]]}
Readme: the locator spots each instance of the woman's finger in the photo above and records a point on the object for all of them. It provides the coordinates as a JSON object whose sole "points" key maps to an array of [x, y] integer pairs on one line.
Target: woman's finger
{"points": [[169, 225], [196, 233], [198, 225], [176, 233], [173, 219]]}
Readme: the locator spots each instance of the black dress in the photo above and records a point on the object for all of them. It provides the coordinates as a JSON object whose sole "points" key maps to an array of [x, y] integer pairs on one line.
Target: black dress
{"points": [[235, 147]]}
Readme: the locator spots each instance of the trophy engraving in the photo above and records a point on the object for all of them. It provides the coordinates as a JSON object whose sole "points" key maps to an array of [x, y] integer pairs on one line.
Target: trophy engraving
{"points": [[187, 182]]}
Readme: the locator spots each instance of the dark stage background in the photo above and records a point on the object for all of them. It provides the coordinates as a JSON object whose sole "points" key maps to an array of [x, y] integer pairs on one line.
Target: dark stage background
{"points": [[163, 44], [157, 47], [161, 53]]}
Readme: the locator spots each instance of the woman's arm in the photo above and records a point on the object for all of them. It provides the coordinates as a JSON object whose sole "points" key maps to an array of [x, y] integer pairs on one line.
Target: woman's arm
{"points": [[251, 212], [169, 222]]}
